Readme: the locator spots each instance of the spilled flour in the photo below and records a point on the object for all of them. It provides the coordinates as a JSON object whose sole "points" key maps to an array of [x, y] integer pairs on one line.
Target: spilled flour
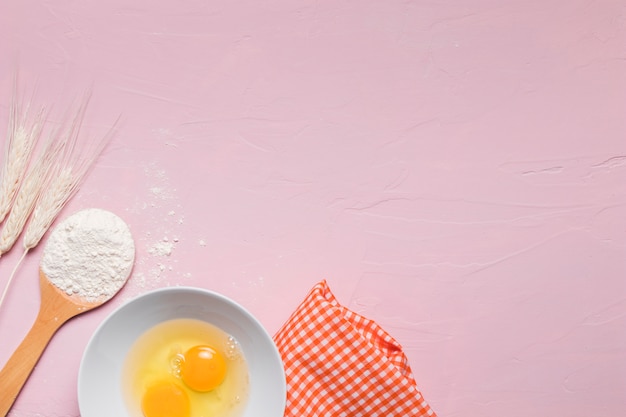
{"points": [[162, 248], [160, 212]]}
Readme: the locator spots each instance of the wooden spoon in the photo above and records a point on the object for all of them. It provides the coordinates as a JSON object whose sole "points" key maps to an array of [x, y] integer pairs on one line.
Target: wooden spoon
{"points": [[56, 308]]}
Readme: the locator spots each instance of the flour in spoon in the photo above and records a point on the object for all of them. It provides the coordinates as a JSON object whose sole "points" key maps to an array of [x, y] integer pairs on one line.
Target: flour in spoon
{"points": [[89, 254]]}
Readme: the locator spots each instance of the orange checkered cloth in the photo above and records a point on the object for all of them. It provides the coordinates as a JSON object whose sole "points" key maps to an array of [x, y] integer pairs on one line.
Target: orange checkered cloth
{"points": [[339, 363]]}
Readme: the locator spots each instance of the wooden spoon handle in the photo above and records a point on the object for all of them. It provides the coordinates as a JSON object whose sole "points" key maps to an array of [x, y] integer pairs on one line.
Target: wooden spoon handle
{"points": [[17, 370]]}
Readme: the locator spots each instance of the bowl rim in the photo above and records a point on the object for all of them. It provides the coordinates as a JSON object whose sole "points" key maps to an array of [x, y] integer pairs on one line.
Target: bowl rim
{"points": [[178, 289]]}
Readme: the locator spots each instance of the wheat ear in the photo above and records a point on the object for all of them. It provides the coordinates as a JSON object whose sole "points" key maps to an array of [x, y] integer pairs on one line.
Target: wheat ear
{"points": [[31, 188], [49, 204], [62, 182], [21, 138]]}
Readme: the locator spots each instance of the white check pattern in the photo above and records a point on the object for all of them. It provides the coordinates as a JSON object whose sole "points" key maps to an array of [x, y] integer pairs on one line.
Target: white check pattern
{"points": [[339, 363]]}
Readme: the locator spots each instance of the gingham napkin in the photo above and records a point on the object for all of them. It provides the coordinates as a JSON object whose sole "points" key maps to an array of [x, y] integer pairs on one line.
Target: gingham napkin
{"points": [[338, 363]]}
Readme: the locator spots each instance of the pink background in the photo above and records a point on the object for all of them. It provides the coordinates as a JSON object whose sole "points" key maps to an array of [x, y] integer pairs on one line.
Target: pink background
{"points": [[455, 169]]}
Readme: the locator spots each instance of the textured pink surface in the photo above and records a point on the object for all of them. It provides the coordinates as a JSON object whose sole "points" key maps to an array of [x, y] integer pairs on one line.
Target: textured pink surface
{"points": [[456, 171]]}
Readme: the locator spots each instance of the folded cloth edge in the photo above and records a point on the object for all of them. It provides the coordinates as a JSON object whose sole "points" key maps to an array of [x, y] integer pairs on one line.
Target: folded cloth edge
{"points": [[322, 303]]}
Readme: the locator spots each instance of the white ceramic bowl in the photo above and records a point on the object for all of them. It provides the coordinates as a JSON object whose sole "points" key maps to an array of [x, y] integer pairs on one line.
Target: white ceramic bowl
{"points": [[100, 375]]}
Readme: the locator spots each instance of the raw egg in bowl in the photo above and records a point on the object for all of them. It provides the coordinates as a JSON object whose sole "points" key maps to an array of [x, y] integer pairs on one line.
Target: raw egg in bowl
{"points": [[181, 352]]}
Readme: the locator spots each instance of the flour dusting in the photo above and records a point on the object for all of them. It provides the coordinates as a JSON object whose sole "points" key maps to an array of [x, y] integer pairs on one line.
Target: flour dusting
{"points": [[160, 211], [90, 254], [162, 248]]}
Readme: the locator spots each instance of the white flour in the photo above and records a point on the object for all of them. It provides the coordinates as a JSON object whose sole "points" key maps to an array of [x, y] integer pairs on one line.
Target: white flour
{"points": [[89, 254]]}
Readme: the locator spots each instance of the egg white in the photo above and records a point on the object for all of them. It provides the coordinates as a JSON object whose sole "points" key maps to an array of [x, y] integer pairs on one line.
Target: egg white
{"points": [[155, 357]]}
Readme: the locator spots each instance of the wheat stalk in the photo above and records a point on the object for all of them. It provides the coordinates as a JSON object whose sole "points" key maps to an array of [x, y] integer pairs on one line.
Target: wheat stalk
{"points": [[21, 138], [63, 178]]}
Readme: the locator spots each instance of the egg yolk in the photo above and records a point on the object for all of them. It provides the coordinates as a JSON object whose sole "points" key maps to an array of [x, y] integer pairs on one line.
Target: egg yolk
{"points": [[203, 368], [165, 399]]}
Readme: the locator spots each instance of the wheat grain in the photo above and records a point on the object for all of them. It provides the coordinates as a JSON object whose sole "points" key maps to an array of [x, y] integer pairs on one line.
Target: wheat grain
{"points": [[21, 138], [58, 191], [31, 188]]}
